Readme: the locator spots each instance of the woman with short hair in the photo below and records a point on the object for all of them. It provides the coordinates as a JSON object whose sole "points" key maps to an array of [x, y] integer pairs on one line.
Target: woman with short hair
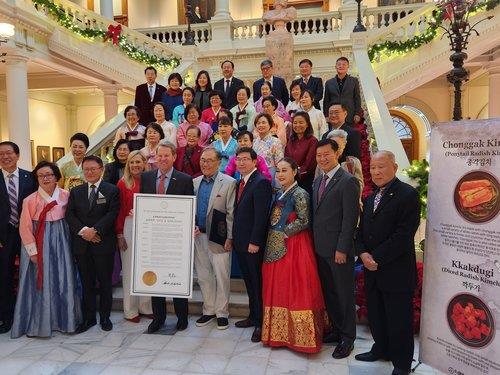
{"points": [[173, 96], [132, 130], [46, 299], [193, 117]]}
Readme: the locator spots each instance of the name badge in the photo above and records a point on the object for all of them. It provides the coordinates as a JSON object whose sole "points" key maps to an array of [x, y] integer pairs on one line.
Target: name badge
{"points": [[101, 201]]}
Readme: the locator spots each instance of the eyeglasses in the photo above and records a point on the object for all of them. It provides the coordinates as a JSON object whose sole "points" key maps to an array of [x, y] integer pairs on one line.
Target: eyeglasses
{"points": [[91, 170], [208, 161], [43, 176], [243, 160]]}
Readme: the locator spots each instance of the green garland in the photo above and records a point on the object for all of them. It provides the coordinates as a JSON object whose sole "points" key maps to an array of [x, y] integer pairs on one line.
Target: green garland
{"points": [[389, 47], [419, 171], [59, 14]]}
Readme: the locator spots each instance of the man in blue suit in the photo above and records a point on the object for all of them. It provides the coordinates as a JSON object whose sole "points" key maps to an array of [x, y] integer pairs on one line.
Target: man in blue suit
{"points": [[278, 85], [251, 212], [15, 185]]}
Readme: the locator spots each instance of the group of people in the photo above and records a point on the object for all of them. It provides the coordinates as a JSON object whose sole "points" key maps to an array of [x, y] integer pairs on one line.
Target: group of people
{"points": [[286, 185]]}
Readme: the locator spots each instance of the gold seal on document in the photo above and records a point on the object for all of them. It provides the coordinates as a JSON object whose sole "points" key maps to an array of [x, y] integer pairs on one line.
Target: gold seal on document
{"points": [[149, 278]]}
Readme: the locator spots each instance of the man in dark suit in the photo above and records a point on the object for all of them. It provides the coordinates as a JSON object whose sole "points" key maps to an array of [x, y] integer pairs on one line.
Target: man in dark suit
{"points": [[15, 185], [385, 244], [337, 114], [308, 82], [229, 85], [147, 94], [278, 85], [167, 180], [343, 89], [91, 215], [335, 216], [250, 225]]}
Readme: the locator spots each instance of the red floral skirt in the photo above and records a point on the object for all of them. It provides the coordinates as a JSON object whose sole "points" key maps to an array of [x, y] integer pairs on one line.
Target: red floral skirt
{"points": [[293, 302]]}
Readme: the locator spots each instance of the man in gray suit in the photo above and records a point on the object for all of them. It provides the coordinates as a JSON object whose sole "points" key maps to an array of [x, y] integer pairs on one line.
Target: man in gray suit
{"points": [[343, 89], [335, 216], [215, 195]]}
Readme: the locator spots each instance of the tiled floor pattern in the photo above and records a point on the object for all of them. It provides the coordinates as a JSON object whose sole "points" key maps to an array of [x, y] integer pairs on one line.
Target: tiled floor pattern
{"points": [[207, 350]]}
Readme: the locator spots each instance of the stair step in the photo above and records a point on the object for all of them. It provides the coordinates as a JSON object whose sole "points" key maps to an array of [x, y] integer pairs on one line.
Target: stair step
{"points": [[238, 300]]}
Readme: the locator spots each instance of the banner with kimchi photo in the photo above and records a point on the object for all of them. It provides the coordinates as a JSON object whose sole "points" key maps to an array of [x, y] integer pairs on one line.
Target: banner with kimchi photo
{"points": [[460, 332]]}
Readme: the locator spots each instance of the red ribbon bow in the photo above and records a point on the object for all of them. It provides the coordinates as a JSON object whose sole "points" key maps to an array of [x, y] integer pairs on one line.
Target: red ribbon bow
{"points": [[39, 237], [114, 33]]}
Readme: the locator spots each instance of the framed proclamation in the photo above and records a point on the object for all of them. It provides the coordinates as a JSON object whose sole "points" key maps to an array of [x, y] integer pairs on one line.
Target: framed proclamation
{"points": [[163, 245]]}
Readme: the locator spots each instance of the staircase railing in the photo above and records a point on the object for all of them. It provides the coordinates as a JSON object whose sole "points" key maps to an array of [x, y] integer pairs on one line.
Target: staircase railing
{"points": [[89, 19], [307, 24]]}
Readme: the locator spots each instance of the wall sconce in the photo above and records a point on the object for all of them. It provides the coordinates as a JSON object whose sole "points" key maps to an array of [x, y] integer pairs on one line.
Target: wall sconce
{"points": [[6, 31]]}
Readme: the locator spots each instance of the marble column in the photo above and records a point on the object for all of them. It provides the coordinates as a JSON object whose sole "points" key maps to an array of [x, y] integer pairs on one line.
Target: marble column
{"points": [[494, 89], [110, 101], [106, 8], [349, 11], [222, 10], [16, 77]]}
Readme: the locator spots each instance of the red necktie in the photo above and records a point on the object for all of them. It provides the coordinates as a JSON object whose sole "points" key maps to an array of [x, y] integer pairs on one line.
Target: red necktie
{"points": [[160, 189], [240, 189]]}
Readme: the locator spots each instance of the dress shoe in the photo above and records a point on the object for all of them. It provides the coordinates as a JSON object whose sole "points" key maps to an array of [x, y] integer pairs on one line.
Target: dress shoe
{"points": [[5, 326], [342, 350], [222, 323], [154, 326], [181, 325], [204, 320], [85, 326], [331, 337], [257, 335], [368, 357], [106, 324], [135, 319], [398, 371], [245, 323]]}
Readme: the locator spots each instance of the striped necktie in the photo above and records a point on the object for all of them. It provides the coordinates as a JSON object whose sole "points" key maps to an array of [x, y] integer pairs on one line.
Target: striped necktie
{"points": [[378, 198], [14, 215], [92, 195]]}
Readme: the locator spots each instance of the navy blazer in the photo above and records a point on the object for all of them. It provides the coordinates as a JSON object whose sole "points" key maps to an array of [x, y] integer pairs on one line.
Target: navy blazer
{"points": [[350, 96], [315, 84], [388, 235], [229, 100], [251, 213], [145, 104], [101, 216], [279, 90], [181, 183], [27, 185]]}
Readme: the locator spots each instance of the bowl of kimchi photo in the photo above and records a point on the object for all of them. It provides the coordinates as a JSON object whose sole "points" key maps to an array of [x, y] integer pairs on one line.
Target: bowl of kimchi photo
{"points": [[470, 320], [477, 197]]}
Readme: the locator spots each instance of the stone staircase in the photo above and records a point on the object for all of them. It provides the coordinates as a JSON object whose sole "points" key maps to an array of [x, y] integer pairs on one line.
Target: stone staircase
{"points": [[238, 301]]}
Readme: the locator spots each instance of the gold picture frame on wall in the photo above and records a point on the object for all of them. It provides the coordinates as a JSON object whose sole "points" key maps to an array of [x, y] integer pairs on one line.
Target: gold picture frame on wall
{"points": [[42, 153], [57, 153]]}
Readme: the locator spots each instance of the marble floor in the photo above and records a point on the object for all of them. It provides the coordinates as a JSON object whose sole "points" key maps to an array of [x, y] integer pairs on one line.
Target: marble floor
{"points": [[207, 350]]}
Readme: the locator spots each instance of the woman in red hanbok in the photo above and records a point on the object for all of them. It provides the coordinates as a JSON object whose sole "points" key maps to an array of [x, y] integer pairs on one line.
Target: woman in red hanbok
{"points": [[291, 293]]}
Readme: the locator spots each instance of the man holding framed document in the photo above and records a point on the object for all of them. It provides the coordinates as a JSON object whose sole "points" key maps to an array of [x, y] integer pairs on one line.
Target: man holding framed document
{"points": [[215, 194], [167, 180]]}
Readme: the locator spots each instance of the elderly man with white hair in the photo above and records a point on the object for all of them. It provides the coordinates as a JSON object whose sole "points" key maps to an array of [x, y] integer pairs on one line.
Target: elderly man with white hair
{"points": [[385, 244], [351, 164]]}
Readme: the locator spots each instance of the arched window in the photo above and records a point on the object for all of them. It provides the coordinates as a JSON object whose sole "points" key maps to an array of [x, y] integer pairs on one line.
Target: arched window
{"points": [[403, 130]]}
